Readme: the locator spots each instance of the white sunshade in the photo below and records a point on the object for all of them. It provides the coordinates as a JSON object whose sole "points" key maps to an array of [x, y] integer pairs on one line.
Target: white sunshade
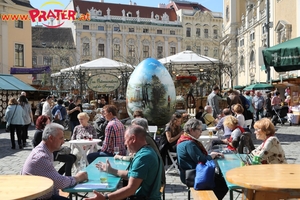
{"points": [[188, 57], [100, 63]]}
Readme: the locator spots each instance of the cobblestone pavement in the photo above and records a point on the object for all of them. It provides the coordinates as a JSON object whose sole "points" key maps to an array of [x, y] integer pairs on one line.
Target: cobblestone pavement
{"points": [[11, 161]]}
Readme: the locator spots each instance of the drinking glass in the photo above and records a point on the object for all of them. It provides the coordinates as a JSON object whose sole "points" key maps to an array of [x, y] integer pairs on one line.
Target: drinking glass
{"points": [[116, 150], [245, 150]]}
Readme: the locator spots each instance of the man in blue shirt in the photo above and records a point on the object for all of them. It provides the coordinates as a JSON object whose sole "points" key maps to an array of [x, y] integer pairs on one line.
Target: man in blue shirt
{"points": [[143, 175]]}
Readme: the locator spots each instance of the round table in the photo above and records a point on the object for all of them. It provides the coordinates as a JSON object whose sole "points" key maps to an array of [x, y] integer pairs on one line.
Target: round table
{"points": [[269, 181], [88, 144], [24, 187]]}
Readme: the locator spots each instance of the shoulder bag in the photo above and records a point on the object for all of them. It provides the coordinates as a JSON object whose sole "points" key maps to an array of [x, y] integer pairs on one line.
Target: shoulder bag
{"points": [[7, 128]]}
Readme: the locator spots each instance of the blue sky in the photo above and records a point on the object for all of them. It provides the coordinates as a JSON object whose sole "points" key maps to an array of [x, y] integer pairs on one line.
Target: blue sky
{"points": [[213, 5]]}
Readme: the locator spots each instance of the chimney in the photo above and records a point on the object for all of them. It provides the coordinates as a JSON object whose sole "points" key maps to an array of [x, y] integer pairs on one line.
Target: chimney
{"points": [[130, 2], [101, 1]]}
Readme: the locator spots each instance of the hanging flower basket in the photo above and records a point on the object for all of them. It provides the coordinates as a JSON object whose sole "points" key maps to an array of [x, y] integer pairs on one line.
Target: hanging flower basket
{"points": [[186, 79]]}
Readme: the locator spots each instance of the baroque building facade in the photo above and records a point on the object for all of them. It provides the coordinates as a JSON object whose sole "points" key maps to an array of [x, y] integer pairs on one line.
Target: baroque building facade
{"points": [[202, 28], [127, 33], [246, 34]]}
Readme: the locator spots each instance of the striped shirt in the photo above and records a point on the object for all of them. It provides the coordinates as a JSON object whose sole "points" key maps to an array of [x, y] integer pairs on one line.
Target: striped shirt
{"points": [[114, 137], [40, 163]]}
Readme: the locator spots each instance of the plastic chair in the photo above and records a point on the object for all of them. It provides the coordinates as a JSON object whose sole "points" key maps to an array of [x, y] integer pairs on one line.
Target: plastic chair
{"points": [[152, 129], [173, 158], [248, 123]]}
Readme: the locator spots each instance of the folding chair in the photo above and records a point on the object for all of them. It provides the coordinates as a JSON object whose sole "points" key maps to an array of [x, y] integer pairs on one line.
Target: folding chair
{"points": [[152, 129], [173, 158]]}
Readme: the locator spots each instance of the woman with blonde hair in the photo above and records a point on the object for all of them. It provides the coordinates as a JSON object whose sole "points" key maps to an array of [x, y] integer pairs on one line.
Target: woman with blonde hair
{"points": [[270, 151], [233, 124], [14, 117]]}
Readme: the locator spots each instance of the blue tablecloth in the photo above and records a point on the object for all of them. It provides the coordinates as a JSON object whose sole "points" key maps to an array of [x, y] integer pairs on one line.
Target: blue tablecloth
{"points": [[94, 175]]}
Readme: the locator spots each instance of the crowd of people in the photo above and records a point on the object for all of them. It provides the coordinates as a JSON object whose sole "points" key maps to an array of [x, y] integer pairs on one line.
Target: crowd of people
{"points": [[145, 174]]}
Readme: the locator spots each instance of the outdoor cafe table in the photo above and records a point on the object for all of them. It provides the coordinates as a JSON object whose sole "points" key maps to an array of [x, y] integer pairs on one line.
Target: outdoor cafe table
{"points": [[84, 146], [94, 175], [206, 140], [230, 161], [269, 181], [24, 187]]}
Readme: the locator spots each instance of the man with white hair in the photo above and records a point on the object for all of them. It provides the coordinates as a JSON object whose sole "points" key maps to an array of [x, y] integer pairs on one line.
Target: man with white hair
{"points": [[40, 162], [210, 121]]}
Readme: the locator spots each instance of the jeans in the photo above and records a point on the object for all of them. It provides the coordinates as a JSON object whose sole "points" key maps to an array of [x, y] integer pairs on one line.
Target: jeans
{"points": [[92, 156], [73, 124], [18, 129], [68, 160], [259, 112]]}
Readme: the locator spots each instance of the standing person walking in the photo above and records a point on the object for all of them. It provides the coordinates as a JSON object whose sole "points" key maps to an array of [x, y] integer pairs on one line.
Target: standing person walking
{"points": [[14, 119], [28, 117], [47, 107], [213, 101], [59, 112], [73, 110], [259, 103]]}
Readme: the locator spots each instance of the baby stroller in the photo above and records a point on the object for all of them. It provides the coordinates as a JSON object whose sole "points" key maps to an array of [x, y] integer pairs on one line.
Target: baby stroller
{"points": [[280, 115]]}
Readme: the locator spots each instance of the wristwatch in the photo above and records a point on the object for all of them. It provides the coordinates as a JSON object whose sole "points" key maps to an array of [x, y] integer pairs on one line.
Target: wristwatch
{"points": [[106, 196]]}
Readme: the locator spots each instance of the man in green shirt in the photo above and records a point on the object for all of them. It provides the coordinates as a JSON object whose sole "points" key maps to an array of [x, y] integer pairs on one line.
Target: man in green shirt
{"points": [[143, 176]]}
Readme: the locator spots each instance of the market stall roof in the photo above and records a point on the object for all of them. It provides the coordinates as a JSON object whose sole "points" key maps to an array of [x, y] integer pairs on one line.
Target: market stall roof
{"points": [[100, 63], [284, 56], [188, 57], [259, 86], [9, 82]]}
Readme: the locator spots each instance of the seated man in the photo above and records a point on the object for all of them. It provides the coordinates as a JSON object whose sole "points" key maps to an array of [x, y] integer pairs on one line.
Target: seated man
{"points": [[209, 120], [143, 173], [40, 162], [114, 135]]}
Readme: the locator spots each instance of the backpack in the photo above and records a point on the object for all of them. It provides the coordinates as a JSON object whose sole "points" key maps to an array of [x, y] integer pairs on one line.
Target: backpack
{"points": [[57, 116], [201, 118]]}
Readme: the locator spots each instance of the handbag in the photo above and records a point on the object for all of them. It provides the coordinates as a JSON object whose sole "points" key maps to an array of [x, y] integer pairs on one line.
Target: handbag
{"points": [[205, 175], [7, 128]]}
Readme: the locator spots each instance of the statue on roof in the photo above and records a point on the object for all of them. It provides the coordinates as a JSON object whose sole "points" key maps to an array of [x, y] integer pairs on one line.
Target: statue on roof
{"points": [[165, 17], [108, 11], [92, 11], [138, 13], [77, 12], [123, 13], [152, 15]]}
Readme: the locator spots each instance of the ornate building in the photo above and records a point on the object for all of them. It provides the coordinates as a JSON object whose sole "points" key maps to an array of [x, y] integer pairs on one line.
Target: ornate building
{"points": [[246, 35], [202, 28], [127, 33]]}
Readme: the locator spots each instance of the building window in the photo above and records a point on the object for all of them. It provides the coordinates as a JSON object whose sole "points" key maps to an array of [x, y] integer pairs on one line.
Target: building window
{"points": [[173, 50], [188, 47], [101, 50], [252, 36], [188, 32], [19, 55], [252, 57], [100, 28], [159, 31], [215, 34], [47, 60], [160, 52], [145, 30], [86, 49], [198, 33], [64, 61], [172, 32], [131, 29], [145, 51], [216, 53], [19, 24], [198, 50], [117, 29], [116, 50], [206, 33], [206, 51], [241, 42], [85, 27], [242, 64], [131, 51], [34, 60]]}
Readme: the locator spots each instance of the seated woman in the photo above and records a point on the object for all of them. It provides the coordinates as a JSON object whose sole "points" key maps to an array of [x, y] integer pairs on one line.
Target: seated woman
{"points": [[83, 131], [233, 124], [172, 132], [68, 159], [190, 152], [270, 151], [238, 111]]}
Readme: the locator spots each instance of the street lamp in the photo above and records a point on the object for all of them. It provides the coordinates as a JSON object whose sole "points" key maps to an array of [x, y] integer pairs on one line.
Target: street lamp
{"points": [[115, 27]]}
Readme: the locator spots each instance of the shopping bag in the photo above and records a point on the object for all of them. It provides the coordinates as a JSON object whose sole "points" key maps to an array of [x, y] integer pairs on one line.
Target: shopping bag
{"points": [[205, 176]]}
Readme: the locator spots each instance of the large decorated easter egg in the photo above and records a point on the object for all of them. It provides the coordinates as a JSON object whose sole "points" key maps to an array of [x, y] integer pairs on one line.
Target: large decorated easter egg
{"points": [[151, 89]]}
